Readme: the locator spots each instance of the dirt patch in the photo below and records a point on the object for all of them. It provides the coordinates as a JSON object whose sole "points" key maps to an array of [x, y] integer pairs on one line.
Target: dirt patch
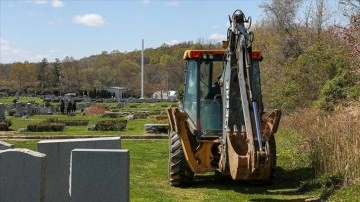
{"points": [[96, 109]]}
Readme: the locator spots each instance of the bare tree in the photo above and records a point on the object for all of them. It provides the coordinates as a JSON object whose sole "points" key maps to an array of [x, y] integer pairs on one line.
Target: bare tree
{"points": [[350, 7], [321, 15], [282, 13]]}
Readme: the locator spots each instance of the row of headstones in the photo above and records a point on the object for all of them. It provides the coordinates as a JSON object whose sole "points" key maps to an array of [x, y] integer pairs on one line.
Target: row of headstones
{"points": [[87, 169], [31, 109]]}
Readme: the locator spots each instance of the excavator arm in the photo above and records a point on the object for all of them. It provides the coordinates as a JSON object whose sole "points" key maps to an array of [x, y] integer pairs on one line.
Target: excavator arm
{"points": [[247, 153]]}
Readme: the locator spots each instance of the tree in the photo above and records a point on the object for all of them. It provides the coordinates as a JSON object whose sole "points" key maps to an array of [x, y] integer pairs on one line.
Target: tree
{"points": [[42, 75], [22, 76], [72, 76], [321, 15], [281, 13], [350, 8], [55, 76]]}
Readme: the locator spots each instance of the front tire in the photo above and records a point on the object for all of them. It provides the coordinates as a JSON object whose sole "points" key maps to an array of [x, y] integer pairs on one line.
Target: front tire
{"points": [[180, 173]]}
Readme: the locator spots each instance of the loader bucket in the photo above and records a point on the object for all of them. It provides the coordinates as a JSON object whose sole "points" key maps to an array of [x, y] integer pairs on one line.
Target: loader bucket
{"points": [[245, 164], [239, 156]]}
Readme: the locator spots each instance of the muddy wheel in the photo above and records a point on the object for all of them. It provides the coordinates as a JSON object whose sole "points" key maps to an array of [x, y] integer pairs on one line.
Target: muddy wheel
{"points": [[180, 173]]}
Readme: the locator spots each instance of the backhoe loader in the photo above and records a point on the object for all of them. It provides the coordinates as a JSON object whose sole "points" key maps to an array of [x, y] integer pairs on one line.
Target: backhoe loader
{"points": [[220, 125]]}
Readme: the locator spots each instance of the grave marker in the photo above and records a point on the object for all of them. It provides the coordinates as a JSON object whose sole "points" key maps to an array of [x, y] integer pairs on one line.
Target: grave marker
{"points": [[58, 162], [22, 175], [99, 175]]}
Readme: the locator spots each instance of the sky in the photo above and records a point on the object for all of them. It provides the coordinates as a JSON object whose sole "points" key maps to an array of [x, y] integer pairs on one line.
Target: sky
{"points": [[31, 30]]}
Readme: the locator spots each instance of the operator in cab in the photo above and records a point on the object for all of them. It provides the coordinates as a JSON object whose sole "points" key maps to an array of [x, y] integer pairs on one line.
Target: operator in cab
{"points": [[214, 90]]}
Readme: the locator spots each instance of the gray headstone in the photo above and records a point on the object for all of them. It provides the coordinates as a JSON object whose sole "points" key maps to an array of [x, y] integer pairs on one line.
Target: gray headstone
{"points": [[88, 104], [5, 145], [19, 111], [9, 107], [22, 175], [2, 111], [99, 175], [58, 162], [29, 109]]}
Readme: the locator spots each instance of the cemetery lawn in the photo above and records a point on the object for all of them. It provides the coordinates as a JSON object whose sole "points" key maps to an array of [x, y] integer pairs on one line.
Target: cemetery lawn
{"points": [[149, 176], [10, 100], [133, 127], [156, 110]]}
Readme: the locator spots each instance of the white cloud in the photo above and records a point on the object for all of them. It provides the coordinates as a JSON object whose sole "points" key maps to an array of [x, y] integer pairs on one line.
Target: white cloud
{"points": [[145, 2], [10, 54], [218, 37], [173, 42], [57, 3], [40, 2], [89, 19], [173, 3], [5, 46]]}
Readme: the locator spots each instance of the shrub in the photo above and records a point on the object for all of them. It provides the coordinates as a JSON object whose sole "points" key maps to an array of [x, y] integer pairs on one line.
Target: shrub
{"points": [[5, 124], [111, 115], [11, 112], [161, 117], [334, 90], [111, 125], [141, 115], [156, 112], [46, 127]]}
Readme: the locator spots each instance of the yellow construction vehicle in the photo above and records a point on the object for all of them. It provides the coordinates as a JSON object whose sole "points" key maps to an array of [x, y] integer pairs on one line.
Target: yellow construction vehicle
{"points": [[221, 125]]}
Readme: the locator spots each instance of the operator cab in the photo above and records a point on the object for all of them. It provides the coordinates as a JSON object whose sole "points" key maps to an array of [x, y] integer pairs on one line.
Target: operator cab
{"points": [[202, 96]]}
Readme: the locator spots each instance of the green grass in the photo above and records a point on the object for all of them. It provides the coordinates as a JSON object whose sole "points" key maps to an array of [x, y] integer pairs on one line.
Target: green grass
{"points": [[294, 178], [10, 100], [134, 127], [149, 180]]}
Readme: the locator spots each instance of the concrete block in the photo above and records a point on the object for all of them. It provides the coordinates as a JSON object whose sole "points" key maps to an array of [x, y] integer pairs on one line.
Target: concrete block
{"points": [[58, 162], [22, 175], [99, 175], [5, 145]]}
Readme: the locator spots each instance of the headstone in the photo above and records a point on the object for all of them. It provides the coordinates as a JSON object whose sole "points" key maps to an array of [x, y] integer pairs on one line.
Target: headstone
{"points": [[37, 110], [19, 111], [88, 104], [29, 109], [9, 107], [58, 162], [22, 175], [5, 145], [99, 175], [2, 111]]}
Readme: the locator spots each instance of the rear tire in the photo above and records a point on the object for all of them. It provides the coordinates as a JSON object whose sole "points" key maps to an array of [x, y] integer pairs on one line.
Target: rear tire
{"points": [[180, 173]]}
